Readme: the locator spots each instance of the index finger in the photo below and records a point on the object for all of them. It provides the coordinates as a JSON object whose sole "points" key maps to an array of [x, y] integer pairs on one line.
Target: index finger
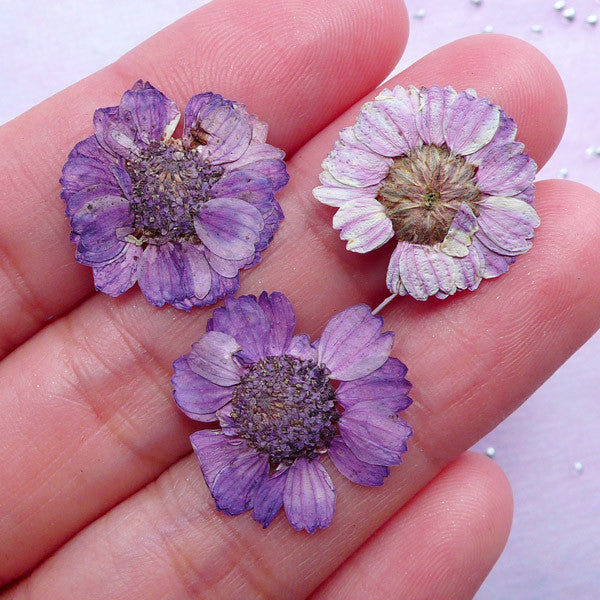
{"points": [[281, 59]]}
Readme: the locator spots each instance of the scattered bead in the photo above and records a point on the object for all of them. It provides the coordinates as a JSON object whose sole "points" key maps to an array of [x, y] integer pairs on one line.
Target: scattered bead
{"points": [[592, 19], [488, 29], [563, 173], [569, 13], [559, 5], [536, 28], [590, 151], [598, 150], [476, 2], [490, 452], [578, 467], [420, 13]]}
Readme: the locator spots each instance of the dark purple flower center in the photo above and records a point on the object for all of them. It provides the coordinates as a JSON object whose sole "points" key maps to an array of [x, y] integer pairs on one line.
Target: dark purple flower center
{"points": [[423, 191], [285, 408], [170, 185]]}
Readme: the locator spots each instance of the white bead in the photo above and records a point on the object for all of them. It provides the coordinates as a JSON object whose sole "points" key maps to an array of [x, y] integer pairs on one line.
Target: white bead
{"points": [[592, 19], [491, 452], [569, 14], [559, 5]]}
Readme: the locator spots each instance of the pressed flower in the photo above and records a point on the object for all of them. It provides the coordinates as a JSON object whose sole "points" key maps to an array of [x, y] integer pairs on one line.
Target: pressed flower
{"points": [[179, 216], [279, 412], [441, 174]]}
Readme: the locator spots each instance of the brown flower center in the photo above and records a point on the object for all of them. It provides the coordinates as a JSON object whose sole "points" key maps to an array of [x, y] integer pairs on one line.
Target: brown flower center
{"points": [[423, 191]]}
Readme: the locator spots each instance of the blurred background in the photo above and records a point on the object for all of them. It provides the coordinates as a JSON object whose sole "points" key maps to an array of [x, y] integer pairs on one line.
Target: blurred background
{"points": [[550, 447]]}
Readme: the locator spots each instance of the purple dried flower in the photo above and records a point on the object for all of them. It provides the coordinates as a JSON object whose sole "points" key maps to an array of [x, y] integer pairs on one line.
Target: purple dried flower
{"points": [[441, 172], [278, 412], [179, 216]]}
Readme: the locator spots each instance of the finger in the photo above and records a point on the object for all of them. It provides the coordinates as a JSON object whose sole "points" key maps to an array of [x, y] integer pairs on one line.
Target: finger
{"points": [[282, 59], [442, 544], [103, 377], [466, 378]]}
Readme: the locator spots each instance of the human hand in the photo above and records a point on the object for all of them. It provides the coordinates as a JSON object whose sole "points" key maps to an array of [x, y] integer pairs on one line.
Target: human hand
{"points": [[88, 417]]}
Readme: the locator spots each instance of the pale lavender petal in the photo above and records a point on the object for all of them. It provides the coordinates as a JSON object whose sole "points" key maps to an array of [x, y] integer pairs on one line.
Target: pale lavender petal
{"points": [[505, 134], [352, 163], [387, 385], [212, 358], [435, 102], [197, 397], [334, 193], [301, 348], [527, 195], [229, 227], [309, 496], [506, 171], [402, 105], [377, 129], [375, 435], [354, 469], [235, 486], [460, 235], [507, 224], [364, 224], [494, 264], [215, 451], [280, 314], [269, 498], [352, 344], [221, 128], [470, 123], [224, 266], [246, 322], [470, 269], [117, 277]]}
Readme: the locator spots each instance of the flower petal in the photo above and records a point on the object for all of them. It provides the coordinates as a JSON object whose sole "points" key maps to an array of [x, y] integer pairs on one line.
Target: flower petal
{"points": [[334, 193], [352, 344], [375, 435], [460, 235], [269, 498], [494, 264], [278, 310], [235, 486], [161, 274], [402, 104], [212, 358], [309, 496], [386, 385], [245, 321], [118, 276], [265, 160], [215, 451], [435, 102], [470, 123], [197, 397], [354, 469], [507, 224], [505, 134], [223, 129], [352, 163], [506, 171], [196, 271], [364, 224], [301, 348], [229, 227]]}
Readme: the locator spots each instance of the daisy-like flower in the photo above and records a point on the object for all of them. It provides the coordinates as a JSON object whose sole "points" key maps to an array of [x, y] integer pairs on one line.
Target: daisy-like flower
{"points": [[440, 172], [279, 412], [179, 216]]}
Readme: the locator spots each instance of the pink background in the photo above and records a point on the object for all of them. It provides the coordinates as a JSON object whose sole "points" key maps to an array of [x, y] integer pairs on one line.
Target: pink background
{"points": [[554, 549]]}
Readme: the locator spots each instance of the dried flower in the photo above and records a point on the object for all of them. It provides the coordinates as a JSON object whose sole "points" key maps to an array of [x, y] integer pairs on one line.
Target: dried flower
{"points": [[278, 412], [179, 216], [439, 171]]}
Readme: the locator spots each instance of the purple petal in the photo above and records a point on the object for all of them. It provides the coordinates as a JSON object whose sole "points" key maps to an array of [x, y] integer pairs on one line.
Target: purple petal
{"points": [[403, 104], [460, 235], [352, 344], [279, 312], [161, 274], [269, 498], [470, 268], [505, 134], [364, 224], [430, 119], [309, 496], [212, 358], [224, 266], [506, 171], [215, 452], [117, 277], [196, 272], [301, 348], [246, 322], [221, 128], [265, 160], [229, 227], [493, 264], [386, 385], [197, 397], [507, 224], [334, 193], [354, 469], [352, 163], [375, 435], [470, 123], [235, 486]]}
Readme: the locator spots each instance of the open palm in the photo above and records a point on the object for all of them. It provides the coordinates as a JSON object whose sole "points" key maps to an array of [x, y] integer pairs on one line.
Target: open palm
{"points": [[100, 497]]}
